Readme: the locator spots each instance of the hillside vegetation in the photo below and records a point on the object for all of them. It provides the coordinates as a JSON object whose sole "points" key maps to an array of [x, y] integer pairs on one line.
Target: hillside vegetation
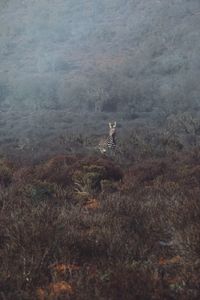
{"points": [[84, 227], [98, 56], [70, 67], [75, 224]]}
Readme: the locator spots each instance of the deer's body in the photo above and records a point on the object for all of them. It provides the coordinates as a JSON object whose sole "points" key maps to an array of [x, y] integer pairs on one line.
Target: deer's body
{"points": [[108, 143]]}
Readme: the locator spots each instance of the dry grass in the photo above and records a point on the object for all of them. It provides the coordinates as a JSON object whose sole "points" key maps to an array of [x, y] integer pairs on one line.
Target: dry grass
{"points": [[76, 227]]}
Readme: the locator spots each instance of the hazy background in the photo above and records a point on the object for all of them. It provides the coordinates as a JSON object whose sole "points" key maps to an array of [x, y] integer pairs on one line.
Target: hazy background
{"points": [[72, 65]]}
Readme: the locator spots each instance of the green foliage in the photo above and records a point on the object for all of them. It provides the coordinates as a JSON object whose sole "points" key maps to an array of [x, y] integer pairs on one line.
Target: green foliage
{"points": [[87, 182], [91, 176], [92, 181]]}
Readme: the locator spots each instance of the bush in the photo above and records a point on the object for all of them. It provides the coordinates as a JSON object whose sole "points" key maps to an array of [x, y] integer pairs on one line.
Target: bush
{"points": [[6, 172], [122, 230]]}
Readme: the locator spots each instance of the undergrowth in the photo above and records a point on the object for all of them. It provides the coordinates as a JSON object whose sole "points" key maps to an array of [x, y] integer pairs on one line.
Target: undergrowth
{"points": [[79, 227]]}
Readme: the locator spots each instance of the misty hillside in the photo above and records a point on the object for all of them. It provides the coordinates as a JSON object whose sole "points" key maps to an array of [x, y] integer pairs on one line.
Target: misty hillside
{"points": [[99, 149], [75, 54], [63, 60]]}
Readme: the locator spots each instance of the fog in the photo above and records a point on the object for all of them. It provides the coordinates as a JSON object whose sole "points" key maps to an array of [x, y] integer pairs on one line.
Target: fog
{"points": [[102, 56]]}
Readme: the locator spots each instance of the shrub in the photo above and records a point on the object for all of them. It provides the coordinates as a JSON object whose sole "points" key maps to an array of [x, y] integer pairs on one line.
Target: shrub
{"points": [[140, 229], [6, 172]]}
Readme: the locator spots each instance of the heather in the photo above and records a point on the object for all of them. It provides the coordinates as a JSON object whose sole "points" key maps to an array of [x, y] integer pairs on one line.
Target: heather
{"points": [[90, 227]]}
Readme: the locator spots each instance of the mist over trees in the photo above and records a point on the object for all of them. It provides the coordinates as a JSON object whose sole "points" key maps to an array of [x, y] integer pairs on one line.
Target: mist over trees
{"points": [[76, 223], [106, 55]]}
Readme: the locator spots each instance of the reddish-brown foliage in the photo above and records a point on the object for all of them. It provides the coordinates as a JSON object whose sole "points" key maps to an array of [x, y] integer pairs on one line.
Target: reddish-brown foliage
{"points": [[121, 228], [54, 290]]}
